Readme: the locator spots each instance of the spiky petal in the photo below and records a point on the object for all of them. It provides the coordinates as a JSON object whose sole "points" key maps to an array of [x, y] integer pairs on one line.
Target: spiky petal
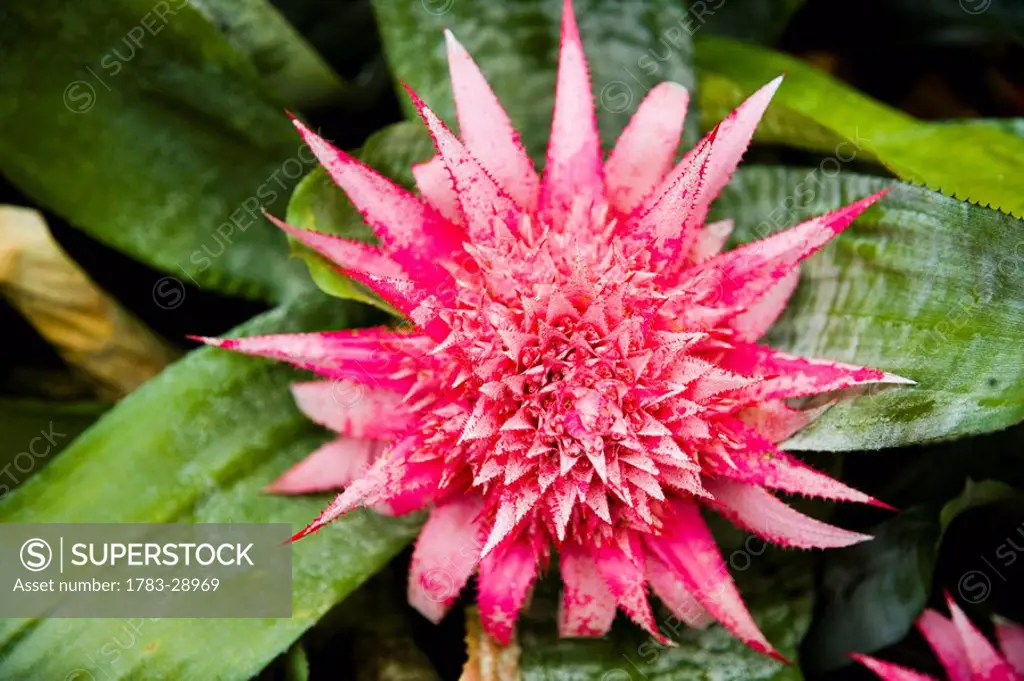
{"points": [[964, 652], [584, 373]]}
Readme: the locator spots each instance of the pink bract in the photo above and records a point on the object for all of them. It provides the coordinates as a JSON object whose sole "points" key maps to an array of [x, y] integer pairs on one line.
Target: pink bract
{"points": [[965, 654], [581, 372]]}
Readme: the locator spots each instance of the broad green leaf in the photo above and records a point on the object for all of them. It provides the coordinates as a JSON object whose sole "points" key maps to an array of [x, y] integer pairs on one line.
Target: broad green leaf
{"points": [[871, 593], [780, 604], [139, 124], [32, 433], [921, 285], [631, 47], [287, 63], [319, 205], [197, 444], [979, 164]]}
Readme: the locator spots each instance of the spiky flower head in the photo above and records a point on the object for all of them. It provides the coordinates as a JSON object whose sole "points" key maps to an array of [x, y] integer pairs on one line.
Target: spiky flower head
{"points": [[580, 371], [963, 651]]}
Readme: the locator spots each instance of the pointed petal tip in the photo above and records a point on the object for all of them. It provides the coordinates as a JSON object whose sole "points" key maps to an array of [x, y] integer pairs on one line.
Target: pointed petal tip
{"points": [[213, 342], [896, 380]]}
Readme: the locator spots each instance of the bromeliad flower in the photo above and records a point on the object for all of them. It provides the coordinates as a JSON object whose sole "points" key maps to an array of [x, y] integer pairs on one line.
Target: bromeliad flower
{"points": [[582, 372], [965, 654]]}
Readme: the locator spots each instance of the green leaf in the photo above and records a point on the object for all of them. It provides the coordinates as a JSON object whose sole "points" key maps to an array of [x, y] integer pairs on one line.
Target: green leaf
{"points": [[288, 64], [197, 444], [976, 494], [34, 432], [139, 124], [780, 604], [921, 285], [980, 164], [297, 664], [630, 47], [871, 593], [318, 205]]}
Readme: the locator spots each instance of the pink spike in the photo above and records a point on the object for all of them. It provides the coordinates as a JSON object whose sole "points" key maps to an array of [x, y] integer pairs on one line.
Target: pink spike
{"points": [[415, 235], [984, 661], [944, 639], [658, 219], [383, 476], [786, 376], [406, 297], [753, 323], [758, 511], [644, 152], [735, 133], [344, 252], [890, 672], [588, 607], [674, 595], [487, 130], [333, 466], [366, 356], [484, 205], [689, 551], [1011, 640], [624, 573], [767, 466], [739, 277], [353, 410], [435, 184], [505, 579], [573, 171], [446, 555], [711, 240]]}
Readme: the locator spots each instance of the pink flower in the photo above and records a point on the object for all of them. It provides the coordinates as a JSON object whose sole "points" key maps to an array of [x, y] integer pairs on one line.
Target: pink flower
{"points": [[965, 654], [581, 372]]}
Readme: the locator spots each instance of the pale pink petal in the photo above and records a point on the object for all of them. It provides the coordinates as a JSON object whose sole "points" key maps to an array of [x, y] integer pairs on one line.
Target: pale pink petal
{"points": [[435, 184], [1011, 640], [505, 578], [413, 233], [573, 171], [786, 376], [675, 596], [625, 574], [354, 255], [711, 240], [446, 555], [484, 205], [487, 130], [355, 410], [888, 671], [588, 607], [982, 657], [365, 356], [776, 421], [688, 549], [332, 466], [643, 153], [944, 639], [757, 510], [756, 320]]}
